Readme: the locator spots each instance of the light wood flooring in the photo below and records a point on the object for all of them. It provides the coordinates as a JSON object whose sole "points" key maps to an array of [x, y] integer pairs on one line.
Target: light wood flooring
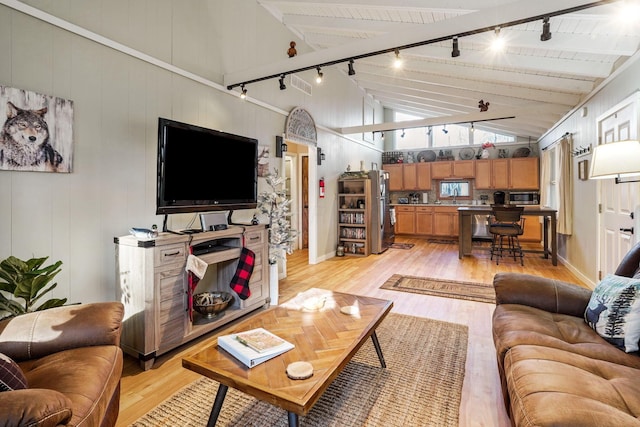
{"points": [[481, 404]]}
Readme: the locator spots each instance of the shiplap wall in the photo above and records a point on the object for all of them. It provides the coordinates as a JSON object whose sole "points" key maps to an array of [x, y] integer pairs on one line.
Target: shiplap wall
{"points": [[117, 101]]}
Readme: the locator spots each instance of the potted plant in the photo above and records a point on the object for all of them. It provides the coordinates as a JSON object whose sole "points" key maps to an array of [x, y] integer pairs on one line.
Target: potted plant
{"points": [[28, 281], [276, 206]]}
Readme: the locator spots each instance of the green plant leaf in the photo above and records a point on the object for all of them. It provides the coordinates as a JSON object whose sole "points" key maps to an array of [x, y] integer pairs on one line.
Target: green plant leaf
{"points": [[54, 302]]}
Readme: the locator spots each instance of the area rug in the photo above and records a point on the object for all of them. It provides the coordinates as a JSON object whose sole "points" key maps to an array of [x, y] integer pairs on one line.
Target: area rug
{"points": [[441, 288], [422, 385], [401, 245]]}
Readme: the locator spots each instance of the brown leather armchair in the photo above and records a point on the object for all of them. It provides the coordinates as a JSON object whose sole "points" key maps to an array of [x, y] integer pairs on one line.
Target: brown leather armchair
{"points": [[72, 361]]}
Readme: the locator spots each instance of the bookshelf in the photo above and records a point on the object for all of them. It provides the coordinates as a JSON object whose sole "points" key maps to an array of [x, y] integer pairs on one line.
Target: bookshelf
{"points": [[354, 216]]}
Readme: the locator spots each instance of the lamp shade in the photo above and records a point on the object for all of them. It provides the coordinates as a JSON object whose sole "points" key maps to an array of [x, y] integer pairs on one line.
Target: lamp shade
{"points": [[616, 160]]}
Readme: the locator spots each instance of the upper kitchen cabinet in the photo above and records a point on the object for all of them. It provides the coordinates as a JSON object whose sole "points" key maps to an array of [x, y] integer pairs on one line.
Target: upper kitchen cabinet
{"points": [[524, 173], [492, 174], [409, 176], [453, 169]]}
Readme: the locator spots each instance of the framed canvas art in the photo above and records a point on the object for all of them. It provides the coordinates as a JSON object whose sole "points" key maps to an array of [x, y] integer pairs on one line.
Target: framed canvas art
{"points": [[37, 131]]}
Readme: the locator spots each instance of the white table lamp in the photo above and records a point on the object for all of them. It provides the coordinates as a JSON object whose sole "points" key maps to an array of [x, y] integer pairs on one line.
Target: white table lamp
{"points": [[617, 160]]}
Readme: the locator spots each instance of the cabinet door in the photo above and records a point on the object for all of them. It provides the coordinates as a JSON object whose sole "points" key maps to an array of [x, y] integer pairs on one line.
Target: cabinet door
{"points": [[464, 169], [424, 220], [500, 173], [483, 174], [441, 170], [442, 225], [423, 173], [532, 229], [395, 176], [409, 176], [525, 174], [171, 309], [405, 220]]}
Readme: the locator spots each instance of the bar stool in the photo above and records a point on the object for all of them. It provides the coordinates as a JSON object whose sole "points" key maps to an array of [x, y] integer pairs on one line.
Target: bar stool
{"points": [[506, 222]]}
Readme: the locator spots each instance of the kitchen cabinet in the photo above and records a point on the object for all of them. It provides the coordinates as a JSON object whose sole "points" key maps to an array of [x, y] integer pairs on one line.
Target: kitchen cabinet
{"points": [[524, 173], [453, 169], [492, 174], [424, 220], [445, 221], [395, 176], [409, 176], [405, 220]]}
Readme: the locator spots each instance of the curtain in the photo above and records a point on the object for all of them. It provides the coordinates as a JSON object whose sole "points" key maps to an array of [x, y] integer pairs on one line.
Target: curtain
{"points": [[565, 186], [545, 178]]}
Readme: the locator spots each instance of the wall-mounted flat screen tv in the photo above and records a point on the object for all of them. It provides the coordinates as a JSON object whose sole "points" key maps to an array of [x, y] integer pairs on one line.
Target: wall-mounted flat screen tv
{"points": [[202, 169]]}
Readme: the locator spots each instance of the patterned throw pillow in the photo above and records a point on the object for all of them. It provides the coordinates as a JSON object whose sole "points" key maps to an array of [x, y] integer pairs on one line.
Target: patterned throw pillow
{"points": [[614, 311], [11, 376]]}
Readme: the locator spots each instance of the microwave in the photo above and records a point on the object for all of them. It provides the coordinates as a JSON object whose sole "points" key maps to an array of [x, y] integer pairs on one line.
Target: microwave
{"points": [[524, 198]]}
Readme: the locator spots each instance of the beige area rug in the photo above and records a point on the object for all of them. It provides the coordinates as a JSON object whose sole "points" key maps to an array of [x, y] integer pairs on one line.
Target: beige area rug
{"points": [[441, 288], [421, 386]]}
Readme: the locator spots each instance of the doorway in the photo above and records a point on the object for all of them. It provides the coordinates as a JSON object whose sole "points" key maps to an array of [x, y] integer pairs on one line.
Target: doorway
{"points": [[618, 202]]}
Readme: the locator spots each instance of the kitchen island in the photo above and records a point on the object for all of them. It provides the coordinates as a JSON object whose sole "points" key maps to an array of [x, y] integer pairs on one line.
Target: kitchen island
{"points": [[549, 234]]}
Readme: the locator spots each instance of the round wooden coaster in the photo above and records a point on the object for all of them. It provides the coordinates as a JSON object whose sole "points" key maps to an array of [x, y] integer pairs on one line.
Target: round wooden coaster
{"points": [[300, 370], [349, 309]]}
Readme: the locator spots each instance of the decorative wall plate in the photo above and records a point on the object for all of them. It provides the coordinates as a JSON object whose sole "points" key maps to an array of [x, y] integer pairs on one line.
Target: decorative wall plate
{"points": [[426, 156], [467, 153], [522, 152]]}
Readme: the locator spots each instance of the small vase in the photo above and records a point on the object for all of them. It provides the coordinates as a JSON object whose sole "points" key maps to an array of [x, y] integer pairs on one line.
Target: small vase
{"points": [[485, 154]]}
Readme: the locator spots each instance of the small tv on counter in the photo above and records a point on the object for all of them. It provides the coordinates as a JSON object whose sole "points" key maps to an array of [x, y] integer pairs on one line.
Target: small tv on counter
{"points": [[202, 169]]}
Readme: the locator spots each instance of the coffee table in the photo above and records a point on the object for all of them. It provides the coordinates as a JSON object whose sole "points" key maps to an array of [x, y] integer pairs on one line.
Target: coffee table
{"points": [[323, 336]]}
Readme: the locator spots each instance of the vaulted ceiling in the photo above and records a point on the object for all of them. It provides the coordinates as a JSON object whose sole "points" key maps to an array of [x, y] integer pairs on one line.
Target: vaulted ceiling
{"points": [[536, 81]]}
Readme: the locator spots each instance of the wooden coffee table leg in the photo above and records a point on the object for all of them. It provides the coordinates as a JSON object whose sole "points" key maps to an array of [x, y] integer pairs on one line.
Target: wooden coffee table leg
{"points": [[217, 405], [376, 344], [293, 419]]}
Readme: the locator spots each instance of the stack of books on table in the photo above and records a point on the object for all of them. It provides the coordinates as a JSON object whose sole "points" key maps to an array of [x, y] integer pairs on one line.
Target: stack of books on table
{"points": [[254, 347]]}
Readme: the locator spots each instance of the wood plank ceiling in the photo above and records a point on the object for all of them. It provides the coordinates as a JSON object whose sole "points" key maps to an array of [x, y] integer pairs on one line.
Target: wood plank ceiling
{"points": [[538, 81]]}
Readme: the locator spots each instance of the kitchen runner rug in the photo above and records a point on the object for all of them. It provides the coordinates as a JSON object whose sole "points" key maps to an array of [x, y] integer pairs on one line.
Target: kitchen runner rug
{"points": [[421, 386], [441, 288]]}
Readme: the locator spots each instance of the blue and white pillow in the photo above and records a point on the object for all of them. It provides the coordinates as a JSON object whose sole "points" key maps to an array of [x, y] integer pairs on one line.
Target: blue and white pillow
{"points": [[614, 311]]}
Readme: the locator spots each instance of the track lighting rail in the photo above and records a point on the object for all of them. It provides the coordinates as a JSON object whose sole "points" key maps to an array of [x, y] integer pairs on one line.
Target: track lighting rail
{"points": [[479, 30]]}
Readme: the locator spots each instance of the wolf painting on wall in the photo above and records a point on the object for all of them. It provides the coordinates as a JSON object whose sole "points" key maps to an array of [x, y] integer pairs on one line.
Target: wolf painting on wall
{"points": [[37, 132]]}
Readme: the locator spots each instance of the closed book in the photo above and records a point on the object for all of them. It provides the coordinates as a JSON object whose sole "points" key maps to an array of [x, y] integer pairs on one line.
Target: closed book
{"points": [[254, 347]]}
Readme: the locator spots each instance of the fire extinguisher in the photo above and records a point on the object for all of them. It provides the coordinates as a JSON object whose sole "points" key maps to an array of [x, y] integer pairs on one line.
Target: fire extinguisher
{"points": [[322, 188]]}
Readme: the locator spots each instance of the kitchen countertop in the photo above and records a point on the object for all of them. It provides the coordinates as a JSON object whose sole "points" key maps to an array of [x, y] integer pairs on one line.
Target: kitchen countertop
{"points": [[460, 205]]}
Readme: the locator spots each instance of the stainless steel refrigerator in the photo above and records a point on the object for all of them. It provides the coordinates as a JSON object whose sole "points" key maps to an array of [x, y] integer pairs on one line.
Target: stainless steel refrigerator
{"points": [[382, 229]]}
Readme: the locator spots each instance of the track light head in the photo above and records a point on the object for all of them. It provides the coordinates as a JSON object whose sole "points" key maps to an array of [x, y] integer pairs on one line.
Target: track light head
{"points": [[281, 80], [472, 128], [352, 72], [498, 42], [243, 93], [444, 129], [397, 63], [455, 52], [319, 76], [546, 30], [402, 134]]}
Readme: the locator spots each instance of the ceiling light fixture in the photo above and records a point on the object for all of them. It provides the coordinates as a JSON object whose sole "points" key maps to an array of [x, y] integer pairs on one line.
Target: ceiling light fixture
{"points": [[402, 134], [352, 72], [444, 129], [282, 85], [319, 76], [455, 52], [243, 93], [498, 42], [546, 30], [397, 63], [472, 128]]}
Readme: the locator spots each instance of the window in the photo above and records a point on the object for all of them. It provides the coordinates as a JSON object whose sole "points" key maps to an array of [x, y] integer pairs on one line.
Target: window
{"points": [[443, 136]]}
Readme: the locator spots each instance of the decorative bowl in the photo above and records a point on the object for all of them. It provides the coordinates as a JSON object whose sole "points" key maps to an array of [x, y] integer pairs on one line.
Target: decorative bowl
{"points": [[210, 304]]}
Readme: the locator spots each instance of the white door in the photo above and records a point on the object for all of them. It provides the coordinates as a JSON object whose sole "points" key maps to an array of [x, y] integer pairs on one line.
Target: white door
{"points": [[617, 201]]}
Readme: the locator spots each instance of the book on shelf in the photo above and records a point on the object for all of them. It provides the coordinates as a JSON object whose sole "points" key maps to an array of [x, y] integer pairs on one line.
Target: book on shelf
{"points": [[254, 347]]}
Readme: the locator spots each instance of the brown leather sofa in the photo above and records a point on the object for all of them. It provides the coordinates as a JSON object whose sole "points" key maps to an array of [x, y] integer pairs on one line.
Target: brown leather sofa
{"points": [[555, 370], [72, 361]]}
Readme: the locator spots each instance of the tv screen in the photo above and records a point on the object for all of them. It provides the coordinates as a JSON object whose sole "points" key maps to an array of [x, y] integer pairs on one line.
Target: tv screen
{"points": [[202, 169]]}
